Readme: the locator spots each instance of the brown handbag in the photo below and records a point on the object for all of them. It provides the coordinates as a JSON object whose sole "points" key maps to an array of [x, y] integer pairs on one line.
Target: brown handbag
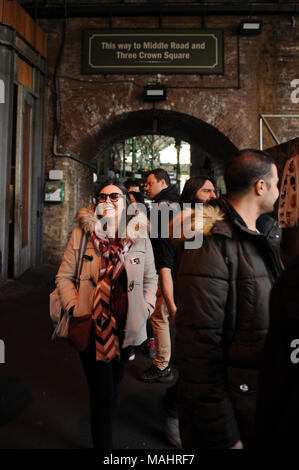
{"points": [[80, 331]]}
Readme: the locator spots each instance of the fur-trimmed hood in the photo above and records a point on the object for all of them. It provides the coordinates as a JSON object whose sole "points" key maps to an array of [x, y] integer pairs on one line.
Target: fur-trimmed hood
{"points": [[137, 227], [192, 220]]}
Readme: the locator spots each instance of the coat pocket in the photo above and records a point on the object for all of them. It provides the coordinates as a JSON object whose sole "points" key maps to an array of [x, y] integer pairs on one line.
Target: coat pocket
{"points": [[135, 291]]}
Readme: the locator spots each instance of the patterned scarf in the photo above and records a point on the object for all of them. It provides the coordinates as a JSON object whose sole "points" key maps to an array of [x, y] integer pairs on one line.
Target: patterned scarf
{"points": [[111, 266]]}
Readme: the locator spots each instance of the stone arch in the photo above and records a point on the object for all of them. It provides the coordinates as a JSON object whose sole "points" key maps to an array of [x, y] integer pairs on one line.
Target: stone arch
{"points": [[204, 138]]}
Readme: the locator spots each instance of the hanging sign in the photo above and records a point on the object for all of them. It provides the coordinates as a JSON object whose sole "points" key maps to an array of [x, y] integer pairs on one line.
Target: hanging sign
{"points": [[153, 51]]}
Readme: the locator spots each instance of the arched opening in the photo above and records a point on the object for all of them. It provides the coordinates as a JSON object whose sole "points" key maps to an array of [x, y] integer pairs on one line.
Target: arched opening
{"points": [[209, 147], [133, 158]]}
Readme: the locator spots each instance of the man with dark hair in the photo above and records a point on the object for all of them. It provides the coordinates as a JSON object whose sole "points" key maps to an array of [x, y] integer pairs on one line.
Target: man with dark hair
{"points": [[222, 300], [199, 189], [159, 175], [132, 185], [245, 168], [162, 192]]}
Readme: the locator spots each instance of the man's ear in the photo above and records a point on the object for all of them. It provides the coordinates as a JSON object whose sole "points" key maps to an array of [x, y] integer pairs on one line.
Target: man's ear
{"points": [[163, 182], [260, 187]]}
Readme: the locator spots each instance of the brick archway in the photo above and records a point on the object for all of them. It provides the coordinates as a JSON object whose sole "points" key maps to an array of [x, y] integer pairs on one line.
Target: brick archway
{"points": [[203, 138]]}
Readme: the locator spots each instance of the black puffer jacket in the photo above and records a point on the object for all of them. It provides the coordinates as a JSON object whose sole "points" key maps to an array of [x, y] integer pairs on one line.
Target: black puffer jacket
{"points": [[222, 297], [169, 194]]}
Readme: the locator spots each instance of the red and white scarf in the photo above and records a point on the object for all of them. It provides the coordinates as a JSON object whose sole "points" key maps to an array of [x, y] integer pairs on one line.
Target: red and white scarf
{"points": [[111, 266]]}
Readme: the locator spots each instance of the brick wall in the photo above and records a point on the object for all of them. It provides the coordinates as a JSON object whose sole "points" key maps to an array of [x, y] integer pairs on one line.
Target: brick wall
{"points": [[268, 64]]}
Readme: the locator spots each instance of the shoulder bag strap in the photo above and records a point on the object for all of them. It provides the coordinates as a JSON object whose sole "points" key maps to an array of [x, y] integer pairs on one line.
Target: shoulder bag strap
{"points": [[82, 248]]}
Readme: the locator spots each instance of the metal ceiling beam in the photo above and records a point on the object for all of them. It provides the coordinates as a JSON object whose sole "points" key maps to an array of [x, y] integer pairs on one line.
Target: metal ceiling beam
{"points": [[142, 9]]}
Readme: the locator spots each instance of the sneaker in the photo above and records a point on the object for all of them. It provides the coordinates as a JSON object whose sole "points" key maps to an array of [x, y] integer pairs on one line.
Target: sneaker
{"points": [[172, 430], [151, 348], [154, 374]]}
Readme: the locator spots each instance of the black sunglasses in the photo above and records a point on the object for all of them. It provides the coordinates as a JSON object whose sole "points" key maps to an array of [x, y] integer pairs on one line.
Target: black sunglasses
{"points": [[114, 197]]}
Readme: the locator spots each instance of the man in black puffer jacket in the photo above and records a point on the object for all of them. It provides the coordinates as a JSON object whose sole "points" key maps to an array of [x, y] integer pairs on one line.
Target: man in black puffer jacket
{"points": [[222, 309]]}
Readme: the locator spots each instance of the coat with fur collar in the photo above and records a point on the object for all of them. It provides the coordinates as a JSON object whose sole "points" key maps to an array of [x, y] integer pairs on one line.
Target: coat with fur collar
{"points": [[139, 266], [222, 320]]}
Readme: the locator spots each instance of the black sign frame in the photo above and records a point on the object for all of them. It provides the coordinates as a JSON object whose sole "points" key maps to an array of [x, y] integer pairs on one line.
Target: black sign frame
{"points": [[134, 51]]}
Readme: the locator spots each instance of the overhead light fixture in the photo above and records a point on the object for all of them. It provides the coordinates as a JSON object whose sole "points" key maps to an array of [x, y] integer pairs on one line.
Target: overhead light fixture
{"points": [[250, 27], [155, 93]]}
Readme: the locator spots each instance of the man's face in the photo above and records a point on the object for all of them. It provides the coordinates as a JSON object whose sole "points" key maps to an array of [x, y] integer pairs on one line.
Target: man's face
{"points": [[206, 192], [271, 193], [154, 187]]}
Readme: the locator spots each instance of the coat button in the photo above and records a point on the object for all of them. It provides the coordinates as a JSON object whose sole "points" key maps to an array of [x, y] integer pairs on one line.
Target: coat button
{"points": [[131, 286], [244, 388]]}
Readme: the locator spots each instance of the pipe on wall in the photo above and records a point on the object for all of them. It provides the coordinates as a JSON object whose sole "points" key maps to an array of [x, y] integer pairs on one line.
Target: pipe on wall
{"points": [[85, 10]]}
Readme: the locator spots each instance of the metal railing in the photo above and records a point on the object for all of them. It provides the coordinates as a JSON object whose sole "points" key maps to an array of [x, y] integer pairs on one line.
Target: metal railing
{"points": [[263, 120]]}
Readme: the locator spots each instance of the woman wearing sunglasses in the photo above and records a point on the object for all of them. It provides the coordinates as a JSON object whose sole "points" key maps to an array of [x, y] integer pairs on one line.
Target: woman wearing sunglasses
{"points": [[117, 289]]}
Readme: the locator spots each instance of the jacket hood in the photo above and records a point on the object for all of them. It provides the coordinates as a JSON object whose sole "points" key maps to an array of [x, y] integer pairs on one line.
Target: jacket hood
{"points": [[210, 216], [169, 194], [137, 226]]}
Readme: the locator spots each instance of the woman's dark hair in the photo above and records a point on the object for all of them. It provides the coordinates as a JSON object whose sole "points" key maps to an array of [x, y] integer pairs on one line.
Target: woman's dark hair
{"points": [[117, 183], [191, 187], [130, 183], [139, 197], [245, 168]]}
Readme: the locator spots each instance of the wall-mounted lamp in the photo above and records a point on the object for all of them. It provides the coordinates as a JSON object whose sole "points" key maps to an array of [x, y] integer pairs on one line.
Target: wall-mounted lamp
{"points": [[155, 93], [250, 27]]}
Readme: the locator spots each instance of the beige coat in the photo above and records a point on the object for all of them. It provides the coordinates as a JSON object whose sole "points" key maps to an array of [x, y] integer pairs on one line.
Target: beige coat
{"points": [[140, 270]]}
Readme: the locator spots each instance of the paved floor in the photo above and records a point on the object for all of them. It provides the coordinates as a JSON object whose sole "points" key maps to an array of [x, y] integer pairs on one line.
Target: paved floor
{"points": [[43, 395]]}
